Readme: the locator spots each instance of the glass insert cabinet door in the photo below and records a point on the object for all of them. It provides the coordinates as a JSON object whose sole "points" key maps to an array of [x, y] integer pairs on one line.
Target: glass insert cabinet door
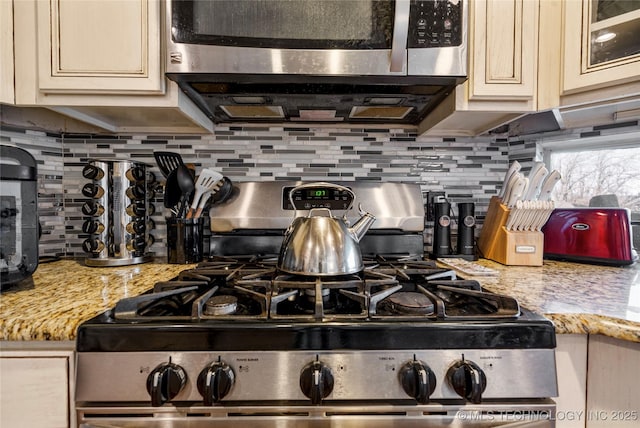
{"points": [[612, 33]]}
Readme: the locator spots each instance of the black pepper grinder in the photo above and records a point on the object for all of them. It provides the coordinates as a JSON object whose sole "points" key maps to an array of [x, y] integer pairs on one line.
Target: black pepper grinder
{"points": [[466, 228], [442, 230]]}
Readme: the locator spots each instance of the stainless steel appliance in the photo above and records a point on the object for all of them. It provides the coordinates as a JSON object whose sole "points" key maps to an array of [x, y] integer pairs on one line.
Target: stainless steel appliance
{"points": [[235, 342], [328, 61]]}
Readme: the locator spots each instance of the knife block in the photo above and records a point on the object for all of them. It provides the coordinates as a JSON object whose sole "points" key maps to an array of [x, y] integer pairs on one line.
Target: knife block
{"points": [[514, 248]]}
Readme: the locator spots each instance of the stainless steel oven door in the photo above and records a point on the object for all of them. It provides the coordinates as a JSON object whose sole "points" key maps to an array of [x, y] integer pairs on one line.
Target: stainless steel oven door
{"points": [[532, 413]]}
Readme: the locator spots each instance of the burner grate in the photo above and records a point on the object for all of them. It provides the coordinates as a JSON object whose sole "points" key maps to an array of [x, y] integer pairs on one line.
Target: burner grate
{"points": [[252, 288]]}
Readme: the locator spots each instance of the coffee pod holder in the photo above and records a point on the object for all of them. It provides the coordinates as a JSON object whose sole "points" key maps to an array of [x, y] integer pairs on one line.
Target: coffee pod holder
{"points": [[509, 247], [117, 212]]}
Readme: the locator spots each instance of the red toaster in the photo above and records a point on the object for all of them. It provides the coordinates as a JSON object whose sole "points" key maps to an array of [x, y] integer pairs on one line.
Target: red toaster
{"points": [[590, 235]]}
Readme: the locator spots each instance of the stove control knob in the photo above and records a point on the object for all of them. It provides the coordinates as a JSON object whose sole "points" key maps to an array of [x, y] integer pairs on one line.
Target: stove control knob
{"points": [[418, 380], [316, 381], [468, 380], [215, 382], [165, 382]]}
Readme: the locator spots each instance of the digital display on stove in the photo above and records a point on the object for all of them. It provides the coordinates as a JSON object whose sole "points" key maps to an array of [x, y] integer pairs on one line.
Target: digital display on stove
{"points": [[315, 193], [316, 197]]}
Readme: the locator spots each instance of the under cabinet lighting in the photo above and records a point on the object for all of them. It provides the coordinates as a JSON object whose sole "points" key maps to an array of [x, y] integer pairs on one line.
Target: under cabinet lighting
{"points": [[626, 115]]}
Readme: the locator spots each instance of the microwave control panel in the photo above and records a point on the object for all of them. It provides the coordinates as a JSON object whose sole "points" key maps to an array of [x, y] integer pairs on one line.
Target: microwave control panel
{"points": [[316, 197], [435, 23]]}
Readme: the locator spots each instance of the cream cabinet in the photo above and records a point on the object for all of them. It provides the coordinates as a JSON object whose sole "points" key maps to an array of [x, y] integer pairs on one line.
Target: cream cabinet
{"points": [[571, 366], [36, 385], [601, 59], [508, 56], [99, 62], [99, 46], [597, 382], [6, 52], [613, 398]]}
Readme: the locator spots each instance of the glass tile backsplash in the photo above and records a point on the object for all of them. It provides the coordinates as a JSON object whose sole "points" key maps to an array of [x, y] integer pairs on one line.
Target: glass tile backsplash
{"points": [[466, 168]]}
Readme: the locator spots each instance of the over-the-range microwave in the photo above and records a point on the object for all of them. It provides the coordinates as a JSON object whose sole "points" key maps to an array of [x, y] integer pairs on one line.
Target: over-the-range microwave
{"points": [[225, 46]]}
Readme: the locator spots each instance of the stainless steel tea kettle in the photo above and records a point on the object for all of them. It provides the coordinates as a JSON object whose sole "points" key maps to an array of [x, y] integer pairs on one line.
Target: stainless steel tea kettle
{"points": [[323, 245]]}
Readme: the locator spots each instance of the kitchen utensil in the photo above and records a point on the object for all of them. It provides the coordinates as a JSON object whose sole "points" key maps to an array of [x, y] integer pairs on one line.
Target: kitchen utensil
{"points": [[207, 181], [323, 245], [513, 169], [517, 190], [168, 161], [222, 194], [548, 184], [186, 185], [172, 192], [535, 182]]}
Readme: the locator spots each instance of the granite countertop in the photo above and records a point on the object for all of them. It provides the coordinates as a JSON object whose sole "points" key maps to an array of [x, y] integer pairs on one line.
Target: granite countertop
{"points": [[578, 298], [65, 293]]}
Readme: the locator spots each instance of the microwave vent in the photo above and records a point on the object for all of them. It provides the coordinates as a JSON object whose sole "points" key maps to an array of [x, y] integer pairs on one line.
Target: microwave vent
{"points": [[253, 112], [379, 112]]}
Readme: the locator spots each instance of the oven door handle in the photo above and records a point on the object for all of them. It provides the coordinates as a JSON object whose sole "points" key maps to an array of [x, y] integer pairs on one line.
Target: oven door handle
{"points": [[400, 34]]}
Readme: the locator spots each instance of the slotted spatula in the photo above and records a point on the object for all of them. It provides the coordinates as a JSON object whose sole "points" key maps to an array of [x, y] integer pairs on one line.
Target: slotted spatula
{"points": [[207, 180], [168, 161]]}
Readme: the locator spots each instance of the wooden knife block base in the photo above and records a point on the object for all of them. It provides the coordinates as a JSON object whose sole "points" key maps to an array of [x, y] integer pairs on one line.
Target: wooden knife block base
{"points": [[514, 248]]}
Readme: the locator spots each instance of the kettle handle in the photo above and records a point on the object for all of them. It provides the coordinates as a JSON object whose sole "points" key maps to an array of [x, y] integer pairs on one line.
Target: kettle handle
{"points": [[321, 184]]}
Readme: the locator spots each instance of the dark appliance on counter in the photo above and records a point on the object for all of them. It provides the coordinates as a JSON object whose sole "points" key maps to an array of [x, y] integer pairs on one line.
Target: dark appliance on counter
{"points": [[590, 235], [361, 61], [234, 341], [19, 226]]}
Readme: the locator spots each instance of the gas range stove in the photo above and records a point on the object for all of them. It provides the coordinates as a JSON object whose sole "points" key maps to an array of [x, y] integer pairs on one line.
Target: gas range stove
{"points": [[235, 341], [238, 331]]}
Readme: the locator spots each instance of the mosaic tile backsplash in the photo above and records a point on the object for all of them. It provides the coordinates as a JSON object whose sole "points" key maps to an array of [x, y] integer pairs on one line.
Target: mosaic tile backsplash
{"points": [[466, 169]]}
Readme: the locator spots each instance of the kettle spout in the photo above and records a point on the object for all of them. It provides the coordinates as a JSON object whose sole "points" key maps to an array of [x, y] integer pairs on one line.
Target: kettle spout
{"points": [[363, 224]]}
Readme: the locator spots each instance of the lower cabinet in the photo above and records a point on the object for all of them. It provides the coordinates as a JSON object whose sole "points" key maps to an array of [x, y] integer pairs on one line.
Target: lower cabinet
{"points": [[571, 365], [598, 382], [36, 385], [613, 383]]}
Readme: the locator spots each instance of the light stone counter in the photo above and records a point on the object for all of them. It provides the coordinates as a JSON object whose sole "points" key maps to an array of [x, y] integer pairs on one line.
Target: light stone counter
{"points": [[65, 293], [578, 298]]}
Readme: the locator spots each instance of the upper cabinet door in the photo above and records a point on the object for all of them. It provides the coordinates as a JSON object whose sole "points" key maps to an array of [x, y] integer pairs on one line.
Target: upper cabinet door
{"points": [[6, 52], [99, 46], [505, 49], [601, 44]]}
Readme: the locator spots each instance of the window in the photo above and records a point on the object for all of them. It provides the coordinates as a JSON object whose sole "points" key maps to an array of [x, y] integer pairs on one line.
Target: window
{"points": [[597, 171]]}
